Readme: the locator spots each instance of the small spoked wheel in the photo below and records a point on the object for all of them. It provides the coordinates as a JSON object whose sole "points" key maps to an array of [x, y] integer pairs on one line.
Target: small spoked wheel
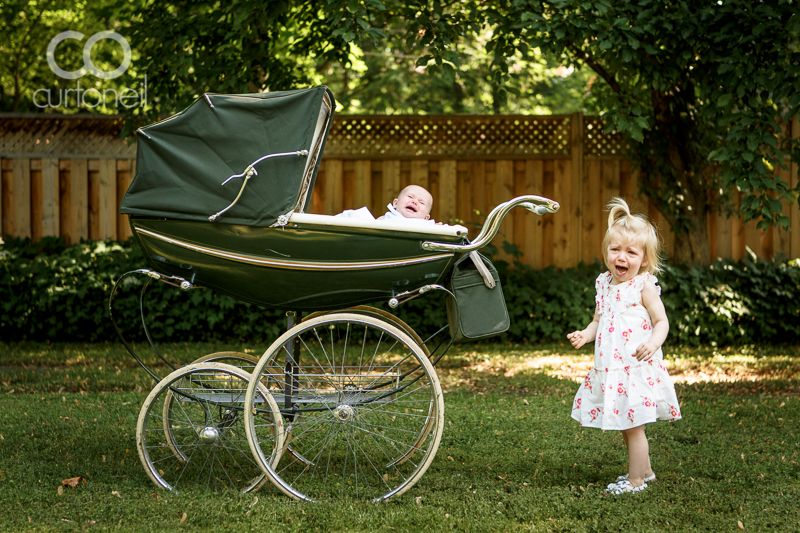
{"points": [[190, 434], [362, 405]]}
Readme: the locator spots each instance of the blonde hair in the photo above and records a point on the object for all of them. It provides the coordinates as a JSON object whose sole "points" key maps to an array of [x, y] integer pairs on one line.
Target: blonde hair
{"points": [[636, 229]]}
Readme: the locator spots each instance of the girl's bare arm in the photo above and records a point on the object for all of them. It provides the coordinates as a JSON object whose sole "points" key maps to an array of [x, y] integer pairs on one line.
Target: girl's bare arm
{"points": [[658, 315]]}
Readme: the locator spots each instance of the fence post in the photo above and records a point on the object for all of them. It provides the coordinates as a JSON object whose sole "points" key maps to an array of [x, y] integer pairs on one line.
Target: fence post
{"points": [[79, 200], [362, 181], [21, 191], [447, 190], [50, 198], [576, 186]]}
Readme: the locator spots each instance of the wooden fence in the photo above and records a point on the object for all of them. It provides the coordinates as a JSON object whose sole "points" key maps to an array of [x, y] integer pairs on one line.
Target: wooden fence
{"points": [[66, 176]]}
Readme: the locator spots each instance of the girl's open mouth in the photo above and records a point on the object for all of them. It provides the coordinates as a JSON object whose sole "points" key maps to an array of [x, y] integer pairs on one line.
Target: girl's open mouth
{"points": [[621, 271]]}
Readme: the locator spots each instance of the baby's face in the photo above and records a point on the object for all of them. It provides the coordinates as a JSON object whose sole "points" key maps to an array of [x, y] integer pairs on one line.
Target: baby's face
{"points": [[414, 202]]}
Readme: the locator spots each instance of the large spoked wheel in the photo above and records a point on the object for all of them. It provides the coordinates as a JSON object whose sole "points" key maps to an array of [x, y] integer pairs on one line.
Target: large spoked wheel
{"points": [[365, 411], [191, 435]]}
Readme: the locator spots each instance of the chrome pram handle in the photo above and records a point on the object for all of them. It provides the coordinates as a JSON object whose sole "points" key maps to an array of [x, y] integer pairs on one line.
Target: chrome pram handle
{"points": [[534, 204]]}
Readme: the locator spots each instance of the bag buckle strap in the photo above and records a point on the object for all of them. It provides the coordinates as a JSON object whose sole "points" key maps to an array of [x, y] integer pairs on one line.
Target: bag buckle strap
{"points": [[488, 279]]}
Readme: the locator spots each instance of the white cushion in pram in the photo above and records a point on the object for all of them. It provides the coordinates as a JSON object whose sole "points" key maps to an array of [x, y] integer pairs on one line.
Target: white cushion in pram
{"points": [[405, 225]]}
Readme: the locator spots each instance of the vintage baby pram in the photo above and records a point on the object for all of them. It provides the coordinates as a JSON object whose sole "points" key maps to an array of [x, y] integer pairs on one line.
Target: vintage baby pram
{"points": [[346, 403]]}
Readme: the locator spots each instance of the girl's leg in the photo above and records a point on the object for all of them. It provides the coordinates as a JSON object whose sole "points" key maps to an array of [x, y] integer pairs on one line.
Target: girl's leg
{"points": [[638, 455], [625, 438]]}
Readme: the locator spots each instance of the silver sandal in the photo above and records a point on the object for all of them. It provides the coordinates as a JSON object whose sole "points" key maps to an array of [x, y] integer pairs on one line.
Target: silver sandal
{"points": [[624, 487]]}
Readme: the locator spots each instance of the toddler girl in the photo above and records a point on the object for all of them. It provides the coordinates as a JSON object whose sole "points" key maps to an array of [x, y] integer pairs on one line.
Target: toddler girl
{"points": [[628, 386]]}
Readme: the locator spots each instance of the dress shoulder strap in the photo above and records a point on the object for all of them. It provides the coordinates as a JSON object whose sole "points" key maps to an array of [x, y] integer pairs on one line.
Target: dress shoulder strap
{"points": [[639, 281]]}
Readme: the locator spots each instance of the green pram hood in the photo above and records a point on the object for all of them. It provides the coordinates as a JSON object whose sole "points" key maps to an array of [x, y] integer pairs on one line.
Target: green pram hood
{"points": [[182, 161]]}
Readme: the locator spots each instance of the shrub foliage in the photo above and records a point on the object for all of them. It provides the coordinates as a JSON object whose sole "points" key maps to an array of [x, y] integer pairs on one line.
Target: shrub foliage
{"points": [[52, 291]]}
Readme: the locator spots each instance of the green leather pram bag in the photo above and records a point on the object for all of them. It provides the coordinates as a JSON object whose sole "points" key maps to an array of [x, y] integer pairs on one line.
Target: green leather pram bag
{"points": [[477, 308]]}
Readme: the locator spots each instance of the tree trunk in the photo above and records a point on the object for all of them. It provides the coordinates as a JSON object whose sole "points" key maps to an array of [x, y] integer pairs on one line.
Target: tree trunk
{"points": [[692, 248]]}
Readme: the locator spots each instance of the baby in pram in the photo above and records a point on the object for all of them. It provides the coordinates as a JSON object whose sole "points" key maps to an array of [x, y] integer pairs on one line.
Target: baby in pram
{"points": [[414, 203]]}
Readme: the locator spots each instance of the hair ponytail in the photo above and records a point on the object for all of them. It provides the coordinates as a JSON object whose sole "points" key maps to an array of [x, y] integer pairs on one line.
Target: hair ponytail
{"points": [[618, 209]]}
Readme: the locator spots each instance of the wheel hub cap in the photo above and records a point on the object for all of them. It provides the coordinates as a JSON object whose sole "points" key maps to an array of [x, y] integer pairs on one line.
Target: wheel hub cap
{"points": [[344, 413], [209, 435]]}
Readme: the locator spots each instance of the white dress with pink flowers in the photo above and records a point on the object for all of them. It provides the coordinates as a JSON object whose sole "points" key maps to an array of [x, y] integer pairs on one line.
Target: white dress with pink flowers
{"points": [[621, 392]]}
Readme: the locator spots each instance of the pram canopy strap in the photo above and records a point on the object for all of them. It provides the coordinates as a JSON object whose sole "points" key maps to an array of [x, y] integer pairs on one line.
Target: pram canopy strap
{"points": [[183, 160]]}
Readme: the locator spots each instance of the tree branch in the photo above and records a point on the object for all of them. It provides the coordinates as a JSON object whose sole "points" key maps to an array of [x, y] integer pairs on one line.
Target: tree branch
{"points": [[603, 73]]}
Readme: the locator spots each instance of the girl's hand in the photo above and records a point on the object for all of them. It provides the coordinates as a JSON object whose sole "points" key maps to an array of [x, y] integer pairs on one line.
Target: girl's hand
{"points": [[577, 338], [645, 351]]}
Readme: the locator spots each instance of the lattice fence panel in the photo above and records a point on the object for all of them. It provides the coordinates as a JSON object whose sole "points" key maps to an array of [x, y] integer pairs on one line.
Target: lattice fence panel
{"points": [[63, 137], [597, 143], [351, 137], [474, 137]]}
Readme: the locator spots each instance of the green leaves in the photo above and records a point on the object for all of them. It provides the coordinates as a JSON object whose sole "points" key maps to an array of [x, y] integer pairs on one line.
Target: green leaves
{"points": [[725, 100]]}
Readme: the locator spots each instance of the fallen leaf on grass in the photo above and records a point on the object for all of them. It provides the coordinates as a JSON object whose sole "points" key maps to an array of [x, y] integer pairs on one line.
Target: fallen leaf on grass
{"points": [[739, 523], [418, 500], [255, 501], [73, 482], [61, 490], [115, 493], [525, 401], [183, 518]]}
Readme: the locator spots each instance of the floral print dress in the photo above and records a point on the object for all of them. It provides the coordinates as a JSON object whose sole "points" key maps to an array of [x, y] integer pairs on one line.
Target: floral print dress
{"points": [[621, 392]]}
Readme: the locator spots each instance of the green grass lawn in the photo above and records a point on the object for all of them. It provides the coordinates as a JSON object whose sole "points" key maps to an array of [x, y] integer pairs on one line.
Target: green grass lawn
{"points": [[511, 459]]}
